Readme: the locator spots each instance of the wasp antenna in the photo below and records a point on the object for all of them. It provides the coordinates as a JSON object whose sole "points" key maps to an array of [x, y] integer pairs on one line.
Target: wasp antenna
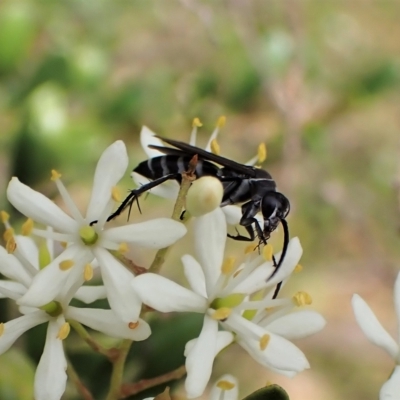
{"points": [[284, 249]]}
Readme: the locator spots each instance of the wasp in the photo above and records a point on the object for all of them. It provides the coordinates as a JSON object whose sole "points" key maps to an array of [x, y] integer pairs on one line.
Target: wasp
{"points": [[253, 187]]}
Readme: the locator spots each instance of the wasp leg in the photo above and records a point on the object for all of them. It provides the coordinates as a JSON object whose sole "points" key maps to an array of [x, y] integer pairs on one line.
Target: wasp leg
{"points": [[249, 229]]}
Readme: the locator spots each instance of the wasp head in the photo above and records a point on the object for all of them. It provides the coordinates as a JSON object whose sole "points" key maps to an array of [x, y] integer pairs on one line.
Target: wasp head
{"points": [[274, 207]]}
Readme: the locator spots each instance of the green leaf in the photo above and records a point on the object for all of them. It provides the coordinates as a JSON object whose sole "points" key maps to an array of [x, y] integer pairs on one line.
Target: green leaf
{"points": [[271, 392]]}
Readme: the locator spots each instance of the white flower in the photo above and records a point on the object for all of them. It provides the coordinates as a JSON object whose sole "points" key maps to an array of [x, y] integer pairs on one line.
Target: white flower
{"points": [[378, 335], [225, 388], [50, 377], [87, 242], [221, 294]]}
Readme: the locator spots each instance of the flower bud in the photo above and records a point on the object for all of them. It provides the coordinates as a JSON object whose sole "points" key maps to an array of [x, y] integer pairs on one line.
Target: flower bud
{"points": [[204, 196]]}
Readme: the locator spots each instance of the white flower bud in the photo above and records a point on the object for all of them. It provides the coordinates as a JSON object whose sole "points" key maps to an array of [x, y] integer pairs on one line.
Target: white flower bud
{"points": [[204, 196]]}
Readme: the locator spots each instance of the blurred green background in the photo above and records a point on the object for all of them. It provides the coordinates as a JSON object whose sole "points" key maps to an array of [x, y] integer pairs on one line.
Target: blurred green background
{"points": [[317, 81]]}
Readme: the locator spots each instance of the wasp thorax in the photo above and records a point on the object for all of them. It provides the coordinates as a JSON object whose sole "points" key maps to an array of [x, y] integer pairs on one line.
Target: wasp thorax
{"points": [[204, 196]]}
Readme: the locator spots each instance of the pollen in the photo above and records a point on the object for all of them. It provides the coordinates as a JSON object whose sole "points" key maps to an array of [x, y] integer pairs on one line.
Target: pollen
{"points": [[88, 235], [116, 194], [261, 153], [227, 266], [2, 328], [64, 331], [133, 325], [66, 265], [221, 121], [123, 248], [298, 268], [5, 216], [268, 252], [55, 175], [8, 234], [215, 149], [302, 299], [88, 272], [196, 123], [225, 385], [221, 314], [27, 227], [11, 245], [264, 340]]}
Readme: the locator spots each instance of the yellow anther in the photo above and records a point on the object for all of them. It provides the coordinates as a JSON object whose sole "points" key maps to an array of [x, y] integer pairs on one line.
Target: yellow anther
{"points": [[5, 216], [237, 273], [64, 244], [261, 153], [27, 227], [264, 340], [250, 248], [227, 266], [302, 299], [221, 314], [8, 234], [133, 325], [225, 385], [11, 245], [221, 121], [196, 123], [123, 248], [88, 272], [298, 268], [116, 194], [2, 328], [66, 265], [215, 149], [64, 331], [55, 175], [268, 252]]}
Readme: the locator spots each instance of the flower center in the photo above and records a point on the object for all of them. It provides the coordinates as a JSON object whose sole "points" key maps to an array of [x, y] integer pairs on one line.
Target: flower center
{"points": [[88, 235], [230, 301], [54, 308]]}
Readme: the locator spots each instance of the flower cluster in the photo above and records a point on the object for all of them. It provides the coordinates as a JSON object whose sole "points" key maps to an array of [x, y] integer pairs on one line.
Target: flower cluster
{"points": [[237, 300]]}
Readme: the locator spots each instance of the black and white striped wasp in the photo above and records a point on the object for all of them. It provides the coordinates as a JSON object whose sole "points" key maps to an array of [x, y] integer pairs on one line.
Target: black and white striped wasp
{"points": [[254, 187]]}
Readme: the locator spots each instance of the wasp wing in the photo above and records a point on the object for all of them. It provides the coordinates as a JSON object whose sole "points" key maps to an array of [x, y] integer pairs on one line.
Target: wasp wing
{"points": [[189, 150]]}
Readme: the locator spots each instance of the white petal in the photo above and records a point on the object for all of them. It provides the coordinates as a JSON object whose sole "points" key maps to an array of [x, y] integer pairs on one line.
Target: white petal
{"points": [[51, 378], [233, 215], [27, 246], [15, 328], [256, 280], [210, 238], [49, 282], [297, 325], [224, 339], [110, 169], [147, 138], [13, 269], [106, 321], [11, 290], [38, 207], [200, 360], [195, 275], [167, 190], [371, 327], [155, 234], [117, 279], [231, 394], [391, 389], [89, 294], [165, 295]]}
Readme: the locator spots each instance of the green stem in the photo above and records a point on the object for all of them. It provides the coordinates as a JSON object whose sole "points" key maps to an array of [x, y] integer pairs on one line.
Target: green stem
{"points": [[118, 370], [82, 389]]}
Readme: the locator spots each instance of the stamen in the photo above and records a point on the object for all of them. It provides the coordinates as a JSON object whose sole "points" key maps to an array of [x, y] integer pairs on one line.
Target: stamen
{"points": [[250, 248], [44, 256], [264, 340], [268, 252], [64, 331], [88, 272], [133, 325], [261, 153], [227, 265], [27, 227], [221, 314], [237, 273], [116, 194], [225, 385], [215, 149], [221, 121], [55, 175], [298, 268], [66, 265], [64, 244], [8, 234], [302, 298], [196, 123], [123, 248], [5, 216], [11, 245], [2, 328], [88, 235]]}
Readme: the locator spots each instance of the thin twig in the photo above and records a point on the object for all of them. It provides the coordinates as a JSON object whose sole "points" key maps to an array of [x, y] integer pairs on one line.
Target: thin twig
{"points": [[82, 389]]}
